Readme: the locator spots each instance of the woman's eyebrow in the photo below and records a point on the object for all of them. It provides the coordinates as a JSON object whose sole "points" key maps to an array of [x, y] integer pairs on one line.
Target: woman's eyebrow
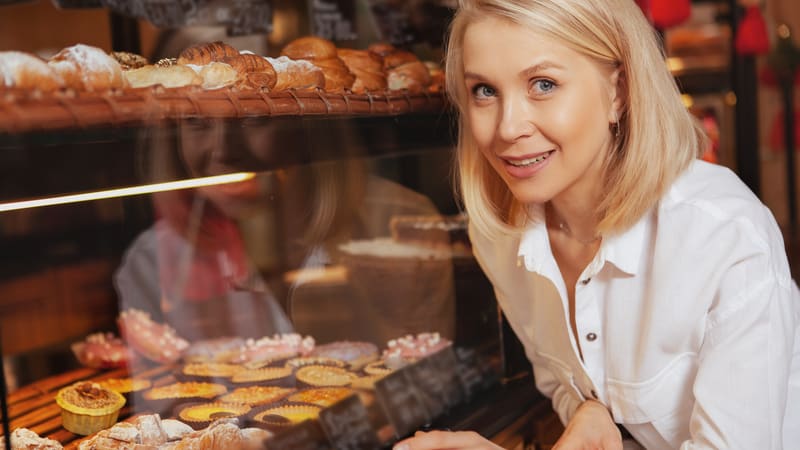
{"points": [[539, 67]]}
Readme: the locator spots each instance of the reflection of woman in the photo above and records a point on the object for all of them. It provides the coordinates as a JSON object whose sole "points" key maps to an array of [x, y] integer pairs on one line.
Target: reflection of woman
{"points": [[235, 242], [650, 289]]}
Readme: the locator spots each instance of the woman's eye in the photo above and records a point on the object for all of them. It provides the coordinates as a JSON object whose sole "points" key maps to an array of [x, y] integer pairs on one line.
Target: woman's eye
{"points": [[481, 91], [543, 86]]}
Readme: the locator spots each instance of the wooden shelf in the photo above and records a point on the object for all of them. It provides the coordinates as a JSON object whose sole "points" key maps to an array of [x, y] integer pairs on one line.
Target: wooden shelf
{"points": [[25, 111]]}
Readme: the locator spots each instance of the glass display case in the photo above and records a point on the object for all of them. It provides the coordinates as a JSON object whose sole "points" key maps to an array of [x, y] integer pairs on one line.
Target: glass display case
{"points": [[295, 261]]}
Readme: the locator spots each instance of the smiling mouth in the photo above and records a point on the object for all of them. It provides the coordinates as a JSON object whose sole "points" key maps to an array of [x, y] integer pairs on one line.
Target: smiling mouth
{"points": [[529, 161]]}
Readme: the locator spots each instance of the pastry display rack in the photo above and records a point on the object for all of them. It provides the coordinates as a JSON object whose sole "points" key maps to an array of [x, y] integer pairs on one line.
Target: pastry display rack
{"points": [[24, 111]]}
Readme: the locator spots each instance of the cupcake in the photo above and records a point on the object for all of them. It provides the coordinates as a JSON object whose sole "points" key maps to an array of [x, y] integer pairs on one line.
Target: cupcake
{"points": [[87, 408], [200, 415], [323, 397], [283, 416], [266, 376], [256, 395], [319, 376]]}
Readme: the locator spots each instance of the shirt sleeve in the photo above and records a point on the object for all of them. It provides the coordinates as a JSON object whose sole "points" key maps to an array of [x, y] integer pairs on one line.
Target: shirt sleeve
{"points": [[745, 361], [564, 404]]}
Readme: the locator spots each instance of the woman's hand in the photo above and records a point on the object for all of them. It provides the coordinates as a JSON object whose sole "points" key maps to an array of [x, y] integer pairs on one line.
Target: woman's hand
{"points": [[446, 440], [591, 428]]}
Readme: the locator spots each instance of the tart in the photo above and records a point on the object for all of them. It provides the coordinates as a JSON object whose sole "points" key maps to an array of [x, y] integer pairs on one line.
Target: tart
{"points": [[354, 353], [265, 376], [210, 372], [378, 368], [87, 408], [256, 395], [162, 399], [319, 376], [366, 382], [302, 361], [200, 415], [324, 397], [278, 417], [128, 387], [213, 350]]}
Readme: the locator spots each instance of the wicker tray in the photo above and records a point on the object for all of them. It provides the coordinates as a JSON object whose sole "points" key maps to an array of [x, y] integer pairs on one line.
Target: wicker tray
{"points": [[25, 111]]}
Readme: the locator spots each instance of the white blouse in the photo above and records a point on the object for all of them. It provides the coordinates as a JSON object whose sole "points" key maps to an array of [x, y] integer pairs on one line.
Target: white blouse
{"points": [[687, 321]]}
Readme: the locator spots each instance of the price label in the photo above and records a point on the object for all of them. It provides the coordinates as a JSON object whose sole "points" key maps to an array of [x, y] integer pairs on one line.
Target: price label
{"points": [[469, 373], [402, 402], [347, 425], [303, 436]]}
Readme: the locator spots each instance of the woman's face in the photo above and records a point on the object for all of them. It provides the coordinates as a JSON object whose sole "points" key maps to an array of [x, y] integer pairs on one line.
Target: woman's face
{"points": [[538, 110]]}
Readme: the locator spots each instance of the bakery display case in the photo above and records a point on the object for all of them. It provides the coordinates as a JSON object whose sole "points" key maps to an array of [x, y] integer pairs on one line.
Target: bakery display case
{"points": [[243, 267]]}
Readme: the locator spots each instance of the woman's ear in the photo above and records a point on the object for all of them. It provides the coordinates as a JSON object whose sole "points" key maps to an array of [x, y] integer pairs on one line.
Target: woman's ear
{"points": [[618, 93]]}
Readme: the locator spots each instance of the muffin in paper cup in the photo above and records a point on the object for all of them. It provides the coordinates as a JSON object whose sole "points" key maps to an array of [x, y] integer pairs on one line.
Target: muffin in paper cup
{"points": [[87, 408]]}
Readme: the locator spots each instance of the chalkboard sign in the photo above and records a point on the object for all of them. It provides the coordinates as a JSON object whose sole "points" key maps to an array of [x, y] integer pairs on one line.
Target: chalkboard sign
{"points": [[238, 16], [446, 366], [303, 436], [469, 372], [401, 402], [334, 19], [347, 425]]}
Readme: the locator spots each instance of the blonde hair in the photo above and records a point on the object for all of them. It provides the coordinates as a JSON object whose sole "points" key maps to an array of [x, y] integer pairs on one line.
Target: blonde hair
{"points": [[657, 139]]}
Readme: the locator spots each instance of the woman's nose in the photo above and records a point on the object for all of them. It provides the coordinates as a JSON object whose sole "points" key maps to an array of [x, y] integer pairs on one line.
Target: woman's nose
{"points": [[516, 121]]}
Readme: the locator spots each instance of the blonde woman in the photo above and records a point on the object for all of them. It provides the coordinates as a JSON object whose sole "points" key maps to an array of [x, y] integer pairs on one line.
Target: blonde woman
{"points": [[651, 290]]}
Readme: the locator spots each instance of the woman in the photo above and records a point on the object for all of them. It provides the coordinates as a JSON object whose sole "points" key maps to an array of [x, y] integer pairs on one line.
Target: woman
{"points": [[650, 289]]}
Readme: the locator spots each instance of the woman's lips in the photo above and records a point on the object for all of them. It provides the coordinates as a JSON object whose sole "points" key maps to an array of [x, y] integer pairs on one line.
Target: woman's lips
{"points": [[527, 166]]}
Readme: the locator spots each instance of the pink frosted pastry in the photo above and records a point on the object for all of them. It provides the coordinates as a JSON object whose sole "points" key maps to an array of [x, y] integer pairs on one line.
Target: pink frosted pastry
{"points": [[409, 348]]}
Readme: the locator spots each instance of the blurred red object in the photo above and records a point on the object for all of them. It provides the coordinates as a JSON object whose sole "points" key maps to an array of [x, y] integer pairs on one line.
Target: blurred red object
{"points": [[776, 132], [767, 77], [645, 6], [668, 13], [752, 37]]}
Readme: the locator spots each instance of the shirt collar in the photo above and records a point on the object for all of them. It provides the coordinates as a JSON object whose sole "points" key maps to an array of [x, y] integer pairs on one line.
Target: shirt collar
{"points": [[624, 249]]}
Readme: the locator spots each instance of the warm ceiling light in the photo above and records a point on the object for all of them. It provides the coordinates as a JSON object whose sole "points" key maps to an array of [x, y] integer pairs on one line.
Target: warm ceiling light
{"points": [[128, 191]]}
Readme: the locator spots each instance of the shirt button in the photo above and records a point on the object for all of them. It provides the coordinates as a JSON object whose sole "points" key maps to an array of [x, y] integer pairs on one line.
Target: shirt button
{"points": [[591, 337], [586, 281]]}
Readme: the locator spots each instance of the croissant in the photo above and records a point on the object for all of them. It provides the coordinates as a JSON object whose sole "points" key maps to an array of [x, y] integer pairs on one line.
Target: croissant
{"points": [[367, 68], [413, 77], [203, 54]]}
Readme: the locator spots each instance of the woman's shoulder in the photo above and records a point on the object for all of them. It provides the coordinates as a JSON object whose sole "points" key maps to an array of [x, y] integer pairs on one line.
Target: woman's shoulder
{"points": [[715, 189]]}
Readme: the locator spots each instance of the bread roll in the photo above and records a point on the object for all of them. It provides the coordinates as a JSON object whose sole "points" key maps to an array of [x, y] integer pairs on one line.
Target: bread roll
{"points": [[26, 71], [398, 58], [367, 68], [296, 74], [337, 76], [170, 77], [413, 77], [203, 54], [217, 75], [97, 70], [309, 47], [437, 77], [381, 48]]}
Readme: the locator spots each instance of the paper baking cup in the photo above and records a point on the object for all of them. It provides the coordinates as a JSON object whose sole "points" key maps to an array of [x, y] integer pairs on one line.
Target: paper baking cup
{"points": [[86, 421]]}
